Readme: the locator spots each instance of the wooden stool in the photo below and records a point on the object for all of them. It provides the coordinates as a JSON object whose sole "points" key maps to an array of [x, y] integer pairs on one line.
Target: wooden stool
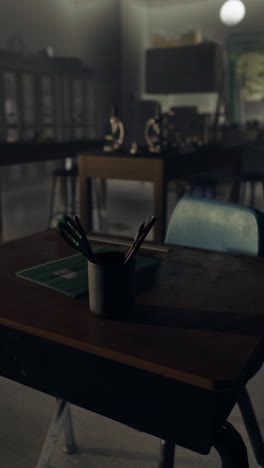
{"points": [[64, 176], [251, 180], [209, 181], [205, 181], [71, 206]]}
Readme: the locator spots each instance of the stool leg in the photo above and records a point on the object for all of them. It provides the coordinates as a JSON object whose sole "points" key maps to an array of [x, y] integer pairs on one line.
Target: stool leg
{"points": [[98, 202], [242, 198], [103, 193], [231, 448], [1, 215], [252, 427], [252, 194], [180, 190], [73, 194], [52, 200], [166, 456], [213, 191], [235, 192], [64, 192]]}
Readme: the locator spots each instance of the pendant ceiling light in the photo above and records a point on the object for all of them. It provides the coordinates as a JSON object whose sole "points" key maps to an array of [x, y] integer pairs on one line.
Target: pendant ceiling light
{"points": [[232, 12]]}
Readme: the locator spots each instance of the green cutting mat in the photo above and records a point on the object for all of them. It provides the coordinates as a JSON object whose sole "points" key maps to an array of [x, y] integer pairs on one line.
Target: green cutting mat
{"points": [[69, 275]]}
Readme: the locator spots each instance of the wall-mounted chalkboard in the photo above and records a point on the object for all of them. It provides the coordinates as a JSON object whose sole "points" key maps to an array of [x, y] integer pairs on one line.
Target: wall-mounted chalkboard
{"points": [[45, 98]]}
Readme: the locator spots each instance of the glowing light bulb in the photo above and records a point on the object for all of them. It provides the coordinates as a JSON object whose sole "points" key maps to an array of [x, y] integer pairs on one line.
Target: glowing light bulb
{"points": [[232, 12]]}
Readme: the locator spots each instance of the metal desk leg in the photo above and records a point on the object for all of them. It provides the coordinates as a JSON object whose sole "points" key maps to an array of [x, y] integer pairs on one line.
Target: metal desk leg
{"points": [[85, 198], [1, 215], [60, 420], [69, 442], [252, 426], [160, 201], [166, 459], [231, 448], [103, 193]]}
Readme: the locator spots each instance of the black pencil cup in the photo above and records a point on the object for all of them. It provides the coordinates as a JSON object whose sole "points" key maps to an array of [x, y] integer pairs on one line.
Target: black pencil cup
{"points": [[111, 285]]}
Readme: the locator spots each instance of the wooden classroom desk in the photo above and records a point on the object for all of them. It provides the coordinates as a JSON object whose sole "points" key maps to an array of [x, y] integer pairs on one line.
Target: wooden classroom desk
{"points": [[175, 369], [27, 152], [156, 168]]}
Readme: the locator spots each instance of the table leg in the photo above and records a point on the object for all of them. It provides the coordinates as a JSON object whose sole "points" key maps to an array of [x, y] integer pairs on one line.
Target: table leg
{"points": [[1, 215], [234, 196], [103, 193], [85, 197], [231, 448], [160, 201], [86, 206]]}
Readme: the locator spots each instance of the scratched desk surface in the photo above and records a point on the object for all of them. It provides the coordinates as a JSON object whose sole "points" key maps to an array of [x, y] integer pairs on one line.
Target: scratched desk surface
{"points": [[202, 324]]}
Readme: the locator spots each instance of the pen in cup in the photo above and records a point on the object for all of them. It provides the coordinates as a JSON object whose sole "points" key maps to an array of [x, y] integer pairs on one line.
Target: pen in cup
{"points": [[138, 234], [73, 233], [140, 239]]}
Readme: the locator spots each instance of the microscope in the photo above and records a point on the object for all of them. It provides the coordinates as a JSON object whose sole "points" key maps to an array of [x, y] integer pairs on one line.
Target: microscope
{"points": [[116, 136], [155, 132]]}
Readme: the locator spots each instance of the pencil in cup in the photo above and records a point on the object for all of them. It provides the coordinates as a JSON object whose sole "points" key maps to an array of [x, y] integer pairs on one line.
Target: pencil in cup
{"points": [[141, 238]]}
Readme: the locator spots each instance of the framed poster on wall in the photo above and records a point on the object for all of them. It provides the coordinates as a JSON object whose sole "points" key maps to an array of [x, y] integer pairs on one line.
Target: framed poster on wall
{"points": [[246, 77]]}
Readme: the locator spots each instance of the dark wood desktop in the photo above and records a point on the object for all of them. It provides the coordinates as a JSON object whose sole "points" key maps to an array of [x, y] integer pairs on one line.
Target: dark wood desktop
{"points": [[175, 369], [33, 152]]}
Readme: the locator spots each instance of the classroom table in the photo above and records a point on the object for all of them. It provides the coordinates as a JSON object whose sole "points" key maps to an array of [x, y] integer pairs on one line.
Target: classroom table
{"points": [[174, 369], [33, 152], [151, 167]]}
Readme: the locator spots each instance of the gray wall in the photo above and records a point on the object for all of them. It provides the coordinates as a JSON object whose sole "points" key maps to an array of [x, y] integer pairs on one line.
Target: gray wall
{"points": [[112, 35], [133, 28], [172, 19], [97, 40]]}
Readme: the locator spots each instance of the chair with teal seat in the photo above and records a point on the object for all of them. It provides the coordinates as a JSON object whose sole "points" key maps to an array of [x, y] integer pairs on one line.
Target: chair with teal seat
{"points": [[224, 227], [214, 225]]}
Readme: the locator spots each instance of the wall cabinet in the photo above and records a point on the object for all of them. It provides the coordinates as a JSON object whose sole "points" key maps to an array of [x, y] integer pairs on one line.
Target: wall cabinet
{"points": [[187, 69], [45, 98]]}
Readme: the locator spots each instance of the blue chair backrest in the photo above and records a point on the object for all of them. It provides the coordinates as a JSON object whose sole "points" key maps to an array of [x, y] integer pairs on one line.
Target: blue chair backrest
{"points": [[214, 225]]}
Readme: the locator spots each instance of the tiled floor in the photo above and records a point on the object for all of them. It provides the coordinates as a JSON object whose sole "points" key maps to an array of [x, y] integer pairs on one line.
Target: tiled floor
{"points": [[25, 413]]}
